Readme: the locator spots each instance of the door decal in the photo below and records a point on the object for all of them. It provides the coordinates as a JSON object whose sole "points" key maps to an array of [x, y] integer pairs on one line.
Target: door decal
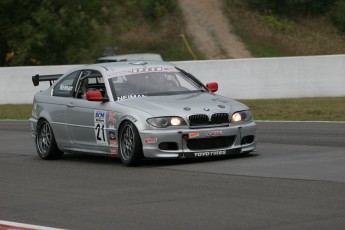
{"points": [[99, 127]]}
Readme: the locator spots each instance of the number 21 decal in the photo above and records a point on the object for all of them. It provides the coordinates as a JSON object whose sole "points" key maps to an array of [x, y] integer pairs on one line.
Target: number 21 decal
{"points": [[100, 129], [100, 132]]}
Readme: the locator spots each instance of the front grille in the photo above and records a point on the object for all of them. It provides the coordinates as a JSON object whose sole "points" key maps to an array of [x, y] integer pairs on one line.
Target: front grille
{"points": [[198, 119], [203, 119], [210, 143], [220, 118]]}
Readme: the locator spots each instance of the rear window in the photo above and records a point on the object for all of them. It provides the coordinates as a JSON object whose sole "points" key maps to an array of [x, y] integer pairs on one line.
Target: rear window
{"points": [[64, 87]]}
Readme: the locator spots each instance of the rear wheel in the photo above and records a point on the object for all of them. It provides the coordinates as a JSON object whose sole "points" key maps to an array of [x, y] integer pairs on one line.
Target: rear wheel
{"points": [[130, 146], [46, 145]]}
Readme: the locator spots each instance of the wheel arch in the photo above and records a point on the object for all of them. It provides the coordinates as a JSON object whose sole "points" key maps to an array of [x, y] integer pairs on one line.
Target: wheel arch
{"points": [[122, 123]]}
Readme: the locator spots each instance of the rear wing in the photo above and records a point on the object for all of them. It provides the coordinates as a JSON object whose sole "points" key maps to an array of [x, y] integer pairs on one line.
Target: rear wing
{"points": [[51, 78]]}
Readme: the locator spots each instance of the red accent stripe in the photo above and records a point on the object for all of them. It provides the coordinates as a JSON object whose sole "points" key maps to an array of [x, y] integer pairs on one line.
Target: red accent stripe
{"points": [[11, 227]]}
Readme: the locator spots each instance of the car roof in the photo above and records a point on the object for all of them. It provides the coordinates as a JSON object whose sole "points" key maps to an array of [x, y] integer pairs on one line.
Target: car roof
{"points": [[130, 57], [132, 64], [119, 67]]}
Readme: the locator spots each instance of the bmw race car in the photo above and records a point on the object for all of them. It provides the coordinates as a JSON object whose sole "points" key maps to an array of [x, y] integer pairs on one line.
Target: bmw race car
{"points": [[136, 110]]}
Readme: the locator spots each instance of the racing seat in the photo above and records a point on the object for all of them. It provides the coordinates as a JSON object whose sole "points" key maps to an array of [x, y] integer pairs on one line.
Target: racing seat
{"points": [[83, 89]]}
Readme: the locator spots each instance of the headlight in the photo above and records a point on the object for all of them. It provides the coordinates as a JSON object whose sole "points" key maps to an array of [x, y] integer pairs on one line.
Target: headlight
{"points": [[164, 122], [241, 116]]}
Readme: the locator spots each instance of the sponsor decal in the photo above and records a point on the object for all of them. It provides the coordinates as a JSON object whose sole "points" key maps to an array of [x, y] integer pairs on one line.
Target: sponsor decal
{"points": [[195, 134], [150, 69], [210, 153], [66, 87], [213, 133], [99, 116], [112, 119], [151, 140], [140, 70], [112, 138], [170, 69], [114, 152], [130, 96], [99, 127], [129, 117], [120, 73]]}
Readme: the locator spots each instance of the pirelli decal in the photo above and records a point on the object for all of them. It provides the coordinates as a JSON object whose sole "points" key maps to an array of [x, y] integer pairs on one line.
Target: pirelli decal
{"points": [[149, 69]]}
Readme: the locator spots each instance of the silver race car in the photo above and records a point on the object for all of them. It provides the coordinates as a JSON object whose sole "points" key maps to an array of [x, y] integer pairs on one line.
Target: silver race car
{"points": [[136, 110]]}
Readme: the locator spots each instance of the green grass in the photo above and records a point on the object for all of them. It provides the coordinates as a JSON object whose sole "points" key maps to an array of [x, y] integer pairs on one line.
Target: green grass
{"points": [[17, 112], [303, 109]]}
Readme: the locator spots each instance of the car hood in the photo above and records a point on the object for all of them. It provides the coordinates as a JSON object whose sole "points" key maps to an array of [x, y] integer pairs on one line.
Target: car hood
{"points": [[184, 104]]}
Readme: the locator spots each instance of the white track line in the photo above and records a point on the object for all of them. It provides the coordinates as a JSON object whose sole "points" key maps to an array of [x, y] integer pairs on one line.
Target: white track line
{"points": [[7, 225]]}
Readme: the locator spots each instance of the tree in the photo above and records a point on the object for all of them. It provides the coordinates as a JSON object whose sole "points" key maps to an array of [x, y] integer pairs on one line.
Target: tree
{"points": [[47, 31], [293, 7], [338, 14]]}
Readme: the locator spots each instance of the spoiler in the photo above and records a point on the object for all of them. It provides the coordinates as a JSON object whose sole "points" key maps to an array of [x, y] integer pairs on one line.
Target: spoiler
{"points": [[51, 78]]}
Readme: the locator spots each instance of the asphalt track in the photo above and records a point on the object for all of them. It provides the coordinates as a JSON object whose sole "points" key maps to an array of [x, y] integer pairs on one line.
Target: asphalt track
{"points": [[296, 180]]}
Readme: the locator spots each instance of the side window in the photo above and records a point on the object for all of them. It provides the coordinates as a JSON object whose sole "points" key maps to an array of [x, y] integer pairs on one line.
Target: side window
{"points": [[65, 86], [90, 80]]}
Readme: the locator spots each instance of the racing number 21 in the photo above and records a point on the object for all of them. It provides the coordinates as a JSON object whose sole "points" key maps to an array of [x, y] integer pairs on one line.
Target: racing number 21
{"points": [[100, 136]]}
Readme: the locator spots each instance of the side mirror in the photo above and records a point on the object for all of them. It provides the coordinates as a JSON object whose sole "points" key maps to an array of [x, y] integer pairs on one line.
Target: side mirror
{"points": [[212, 86], [94, 96]]}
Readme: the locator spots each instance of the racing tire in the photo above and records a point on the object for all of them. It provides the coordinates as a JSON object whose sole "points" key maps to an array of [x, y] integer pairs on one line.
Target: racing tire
{"points": [[46, 146], [130, 146]]}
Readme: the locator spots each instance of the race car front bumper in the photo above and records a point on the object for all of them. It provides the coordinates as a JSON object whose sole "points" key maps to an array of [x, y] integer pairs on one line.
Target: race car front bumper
{"points": [[205, 142]]}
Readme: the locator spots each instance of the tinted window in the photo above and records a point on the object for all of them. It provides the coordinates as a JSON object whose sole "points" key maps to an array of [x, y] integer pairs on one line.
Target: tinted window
{"points": [[65, 87]]}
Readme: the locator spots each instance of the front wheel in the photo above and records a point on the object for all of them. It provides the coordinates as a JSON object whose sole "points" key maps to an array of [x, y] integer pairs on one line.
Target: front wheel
{"points": [[130, 146], [46, 146]]}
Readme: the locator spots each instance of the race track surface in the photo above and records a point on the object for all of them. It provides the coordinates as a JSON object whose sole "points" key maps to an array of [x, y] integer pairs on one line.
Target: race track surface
{"points": [[296, 180]]}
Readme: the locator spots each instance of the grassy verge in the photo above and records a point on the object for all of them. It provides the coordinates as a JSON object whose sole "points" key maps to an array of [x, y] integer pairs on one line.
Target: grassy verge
{"points": [[303, 109], [17, 112]]}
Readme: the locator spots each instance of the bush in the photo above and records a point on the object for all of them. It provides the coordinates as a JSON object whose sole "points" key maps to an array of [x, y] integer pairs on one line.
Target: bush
{"points": [[155, 9], [281, 25]]}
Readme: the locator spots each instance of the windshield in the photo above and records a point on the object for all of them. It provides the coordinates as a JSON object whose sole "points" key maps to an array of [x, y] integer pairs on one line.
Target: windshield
{"points": [[153, 84]]}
